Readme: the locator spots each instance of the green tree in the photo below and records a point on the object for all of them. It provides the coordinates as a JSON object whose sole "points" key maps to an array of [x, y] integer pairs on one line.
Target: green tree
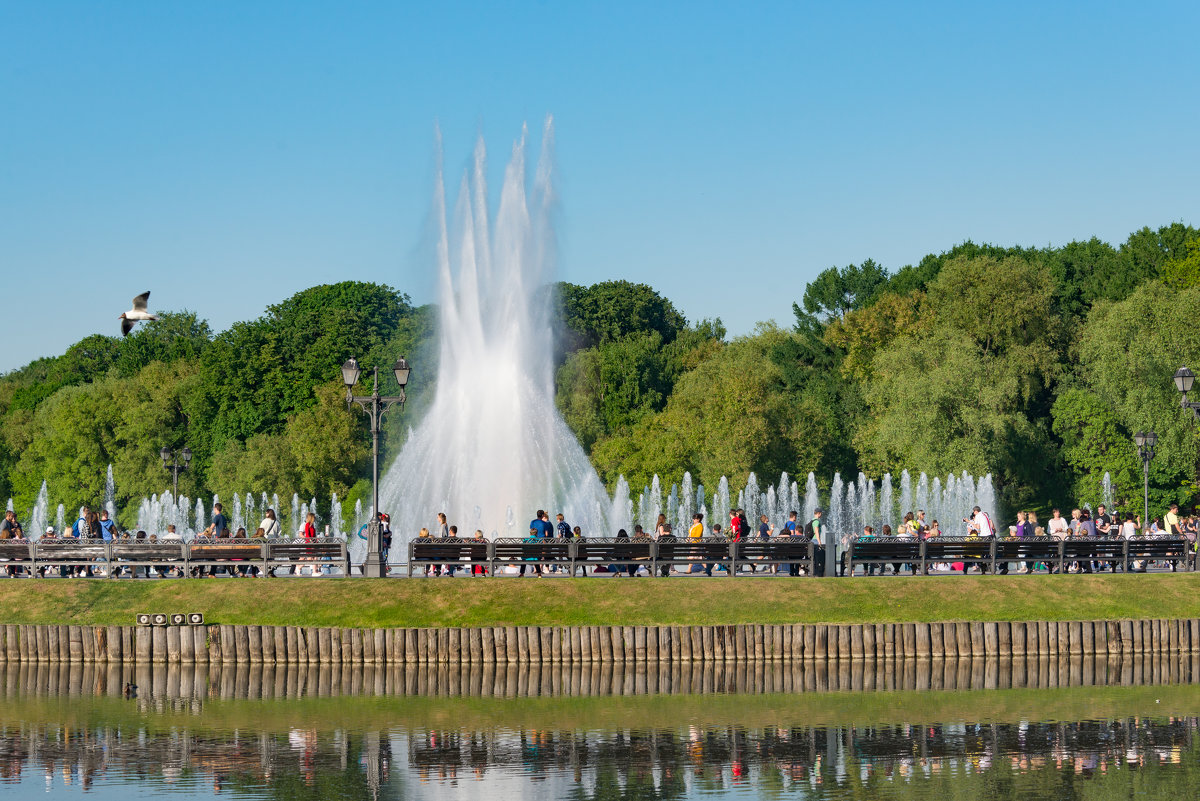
{"points": [[1183, 272], [967, 394], [729, 416], [173, 336], [612, 310], [1128, 353], [838, 291]]}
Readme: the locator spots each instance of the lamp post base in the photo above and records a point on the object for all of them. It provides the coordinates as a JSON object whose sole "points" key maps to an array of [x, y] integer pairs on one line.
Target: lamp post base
{"points": [[373, 566]]}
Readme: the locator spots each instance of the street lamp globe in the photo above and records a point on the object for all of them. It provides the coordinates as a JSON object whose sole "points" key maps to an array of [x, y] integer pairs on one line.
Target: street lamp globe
{"points": [[401, 370], [187, 456], [165, 453], [1139, 439], [1151, 439], [350, 372], [1184, 378]]}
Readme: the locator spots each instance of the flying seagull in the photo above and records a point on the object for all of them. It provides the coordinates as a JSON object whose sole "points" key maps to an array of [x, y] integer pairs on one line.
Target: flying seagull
{"points": [[138, 312]]}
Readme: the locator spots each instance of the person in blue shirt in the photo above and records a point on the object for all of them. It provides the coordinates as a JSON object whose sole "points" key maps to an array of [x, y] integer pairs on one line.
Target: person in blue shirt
{"points": [[107, 527], [539, 528]]}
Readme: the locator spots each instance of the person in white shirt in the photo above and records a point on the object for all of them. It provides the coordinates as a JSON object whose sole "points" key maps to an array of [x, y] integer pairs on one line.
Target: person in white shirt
{"points": [[983, 523], [269, 525]]}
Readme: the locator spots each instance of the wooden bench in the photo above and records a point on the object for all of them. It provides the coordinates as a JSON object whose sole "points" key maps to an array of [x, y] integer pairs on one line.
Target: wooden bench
{"points": [[622, 551], [1028, 549], [206, 552], [319, 552], [868, 551], [669, 551], [1161, 548], [531, 551], [968, 550], [425, 551], [16, 553], [1092, 549], [142, 553], [70, 553], [789, 551]]}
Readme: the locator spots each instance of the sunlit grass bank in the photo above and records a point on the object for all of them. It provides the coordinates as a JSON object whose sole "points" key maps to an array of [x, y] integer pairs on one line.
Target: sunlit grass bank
{"points": [[363, 603]]}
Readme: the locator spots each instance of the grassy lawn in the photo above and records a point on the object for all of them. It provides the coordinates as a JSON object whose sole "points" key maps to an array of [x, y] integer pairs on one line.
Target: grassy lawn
{"points": [[356, 602]]}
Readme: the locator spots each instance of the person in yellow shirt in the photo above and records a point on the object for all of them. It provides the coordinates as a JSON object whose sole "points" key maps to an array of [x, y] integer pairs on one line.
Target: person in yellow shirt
{"points": [[1171, 520], [697, 529]]}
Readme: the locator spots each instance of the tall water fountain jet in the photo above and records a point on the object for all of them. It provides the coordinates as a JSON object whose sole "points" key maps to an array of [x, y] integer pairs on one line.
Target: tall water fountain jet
{"points": [[110, 494], [37, 523], [493, 437], [887, 509], [812, 499]]}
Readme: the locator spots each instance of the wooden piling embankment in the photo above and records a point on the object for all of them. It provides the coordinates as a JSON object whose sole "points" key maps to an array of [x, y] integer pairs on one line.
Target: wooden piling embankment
{"points": [[270, 645]]}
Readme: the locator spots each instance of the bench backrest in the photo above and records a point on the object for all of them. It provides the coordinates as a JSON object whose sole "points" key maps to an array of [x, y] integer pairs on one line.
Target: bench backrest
{"points": [[687, 549], [450, 549], [531, 548], [1158, 547], [223, 552], [958, 549], [15, 550], [1012, 548], [145, 551], [778, 548], [613, 549], [57, 549], [889, 549]]}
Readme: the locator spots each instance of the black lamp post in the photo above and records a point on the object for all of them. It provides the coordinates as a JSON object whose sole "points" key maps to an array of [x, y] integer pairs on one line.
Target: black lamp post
{"points": [[171, 462], [374, 405], [1145, 441], [1184, 378]]}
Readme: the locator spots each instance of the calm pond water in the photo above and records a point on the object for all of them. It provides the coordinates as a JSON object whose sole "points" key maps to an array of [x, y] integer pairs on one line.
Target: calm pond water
{"points": [[307, 733]]}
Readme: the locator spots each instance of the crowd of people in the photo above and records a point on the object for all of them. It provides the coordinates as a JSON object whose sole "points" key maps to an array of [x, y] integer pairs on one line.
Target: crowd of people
{"points": [[97, 526], [1082, 522]]}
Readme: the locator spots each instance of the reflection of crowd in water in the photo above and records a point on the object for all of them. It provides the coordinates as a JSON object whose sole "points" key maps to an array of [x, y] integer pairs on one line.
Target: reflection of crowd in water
{"points": [[668, 763], [676, 763], [82, 757]]}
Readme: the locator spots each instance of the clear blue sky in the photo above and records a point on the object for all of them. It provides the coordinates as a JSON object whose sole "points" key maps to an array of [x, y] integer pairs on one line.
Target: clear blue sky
{"points": [[225, 155]]}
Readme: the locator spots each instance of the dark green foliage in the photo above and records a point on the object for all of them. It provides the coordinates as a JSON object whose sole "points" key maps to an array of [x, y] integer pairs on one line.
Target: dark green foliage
{"points": [[174, 335], [612, 310], [836, 292]]}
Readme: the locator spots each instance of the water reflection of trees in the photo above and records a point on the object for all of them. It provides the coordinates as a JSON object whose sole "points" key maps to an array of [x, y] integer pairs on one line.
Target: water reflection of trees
{"points": [[1093, 759]]}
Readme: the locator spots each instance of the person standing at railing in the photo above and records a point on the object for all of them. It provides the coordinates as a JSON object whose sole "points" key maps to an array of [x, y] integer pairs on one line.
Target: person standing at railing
{"points": [[814, 530]]}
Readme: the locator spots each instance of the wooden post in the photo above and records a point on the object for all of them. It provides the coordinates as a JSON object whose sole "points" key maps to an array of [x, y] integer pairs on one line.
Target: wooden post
{"points": [[143, 645], [991, 639], [486, 643], [241, 644], [200, 644], [174, 646]]}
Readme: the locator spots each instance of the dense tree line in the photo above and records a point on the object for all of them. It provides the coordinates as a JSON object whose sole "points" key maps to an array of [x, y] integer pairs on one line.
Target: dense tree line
{"points": [[1034, 364]]}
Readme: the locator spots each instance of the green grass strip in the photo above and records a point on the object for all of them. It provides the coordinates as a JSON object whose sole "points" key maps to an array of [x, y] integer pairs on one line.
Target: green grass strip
{"points": [[356, 602]]}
